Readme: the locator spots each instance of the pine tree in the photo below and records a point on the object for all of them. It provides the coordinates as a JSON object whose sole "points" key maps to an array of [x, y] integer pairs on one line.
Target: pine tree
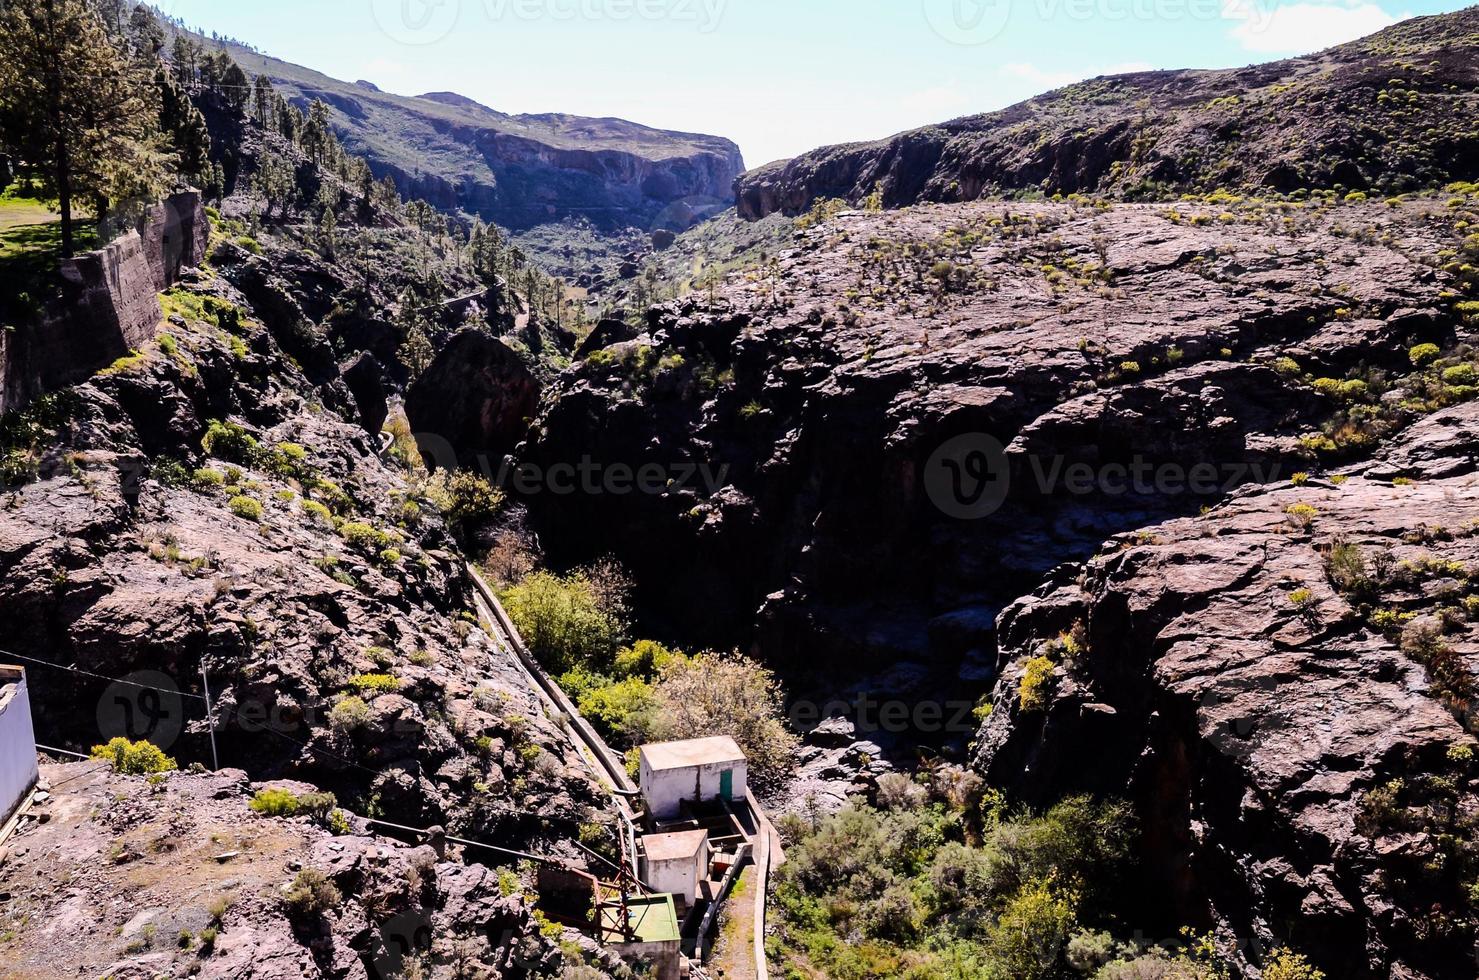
{"points": [[185, 56], [317, 138], [266, 100], [236, 88], [72, 105], [184, 123], [276, 182]]}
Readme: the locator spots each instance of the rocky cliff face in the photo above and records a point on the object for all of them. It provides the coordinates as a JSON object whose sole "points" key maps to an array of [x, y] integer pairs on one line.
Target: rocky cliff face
{"points": [[1069, 334], [182, 878], [1281, 686], [1284, 694], [1388, 113], [473, 402], [208, 505]]}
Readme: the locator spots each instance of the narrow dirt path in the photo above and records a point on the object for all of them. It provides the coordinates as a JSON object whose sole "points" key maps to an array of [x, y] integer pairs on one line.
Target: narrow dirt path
{"points": [[734, 954]]}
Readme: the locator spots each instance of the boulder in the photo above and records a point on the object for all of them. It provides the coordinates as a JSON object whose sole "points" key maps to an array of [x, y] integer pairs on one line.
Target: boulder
{"points": [[475, 399], [364, 376]]}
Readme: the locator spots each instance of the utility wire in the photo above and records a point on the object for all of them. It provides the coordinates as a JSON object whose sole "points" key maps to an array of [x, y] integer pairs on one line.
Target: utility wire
{"points": [[101, 677]]}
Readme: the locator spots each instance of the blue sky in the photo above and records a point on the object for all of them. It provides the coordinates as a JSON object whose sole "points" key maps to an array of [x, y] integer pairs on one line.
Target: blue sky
{"points": [[777, 76]]}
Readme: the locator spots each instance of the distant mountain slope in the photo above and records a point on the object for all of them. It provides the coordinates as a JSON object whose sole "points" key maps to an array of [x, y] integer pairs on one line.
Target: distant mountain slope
{"points": [[1392, 112], [519, 170]]}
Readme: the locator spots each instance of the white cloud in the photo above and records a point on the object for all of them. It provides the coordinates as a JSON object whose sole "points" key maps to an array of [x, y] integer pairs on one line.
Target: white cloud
{"points": [[1271, 27]]}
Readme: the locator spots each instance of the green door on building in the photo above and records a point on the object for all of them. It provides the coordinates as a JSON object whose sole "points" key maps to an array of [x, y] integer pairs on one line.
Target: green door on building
{"points": [[726, 785]]}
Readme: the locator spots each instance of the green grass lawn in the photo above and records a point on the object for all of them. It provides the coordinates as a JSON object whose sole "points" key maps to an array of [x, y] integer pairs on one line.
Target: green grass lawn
{"points": [[30, 250], [21, 211]]}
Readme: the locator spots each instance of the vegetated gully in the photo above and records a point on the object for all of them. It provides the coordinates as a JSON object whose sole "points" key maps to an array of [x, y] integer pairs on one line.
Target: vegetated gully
{"points": [[907, 676]]}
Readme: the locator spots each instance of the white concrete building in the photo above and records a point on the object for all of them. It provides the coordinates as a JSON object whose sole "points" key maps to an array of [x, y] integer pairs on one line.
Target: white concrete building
{"points": [[18, 769], [676, 863], [699, 770]]}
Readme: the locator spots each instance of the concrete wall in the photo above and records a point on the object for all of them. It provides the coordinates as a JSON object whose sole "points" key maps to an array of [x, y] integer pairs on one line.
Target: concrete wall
{"points": [[18, 770], [661, 957], [679, 877], [665, 790], [109, 303]]}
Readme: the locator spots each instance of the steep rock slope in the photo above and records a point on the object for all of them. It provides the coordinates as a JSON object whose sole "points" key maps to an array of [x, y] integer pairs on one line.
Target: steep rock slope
{"points": [[129, 878], [1390, 113], [1286, 694], [1069, 333], [203, 504], [521, 170]]}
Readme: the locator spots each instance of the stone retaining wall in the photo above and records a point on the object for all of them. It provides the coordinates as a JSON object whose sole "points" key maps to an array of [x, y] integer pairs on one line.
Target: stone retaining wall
{"points": [[109, 303]]}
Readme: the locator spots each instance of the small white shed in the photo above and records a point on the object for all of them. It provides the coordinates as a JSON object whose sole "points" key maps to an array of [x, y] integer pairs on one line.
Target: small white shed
{"points": [[699, 770], [675, 863], [18, 769]]}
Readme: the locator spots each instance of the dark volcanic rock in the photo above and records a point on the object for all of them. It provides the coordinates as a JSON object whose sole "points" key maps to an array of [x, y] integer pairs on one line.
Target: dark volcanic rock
{"points": [[291, 569], [1324, 120], [605, 334], [1250, 729], [365, 378], [476, 397], [1069, 334]]}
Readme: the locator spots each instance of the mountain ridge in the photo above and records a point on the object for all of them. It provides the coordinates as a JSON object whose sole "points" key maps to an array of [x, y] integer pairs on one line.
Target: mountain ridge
{"points": [[517, 170], [1347, 115]]}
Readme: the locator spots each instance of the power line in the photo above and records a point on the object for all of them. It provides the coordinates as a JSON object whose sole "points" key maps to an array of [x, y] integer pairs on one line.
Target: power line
{"points": [[101, 677]]}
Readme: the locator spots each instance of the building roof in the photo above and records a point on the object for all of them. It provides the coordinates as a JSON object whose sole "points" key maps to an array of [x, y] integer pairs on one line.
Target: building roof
{"points": [[692, 753], [653, 919], [10, 682], [680, 846]]}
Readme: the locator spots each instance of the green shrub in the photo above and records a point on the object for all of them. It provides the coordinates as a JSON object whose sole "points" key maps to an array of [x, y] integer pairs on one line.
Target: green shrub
{"points": [[311, 895], [1036, 683], [575, 619], [1461, 374], [363, 537], [1285, 964], [229, 441], [375, 683], [618, 707], [246, 507], [318, 513], [275, 803], [390, 556], [139, 758], [465, 499], [1034, 926], [285, 803], [1302, 515], [1424, 354], [286, 459], [645, 659], [349, 714], [206, 478]]}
